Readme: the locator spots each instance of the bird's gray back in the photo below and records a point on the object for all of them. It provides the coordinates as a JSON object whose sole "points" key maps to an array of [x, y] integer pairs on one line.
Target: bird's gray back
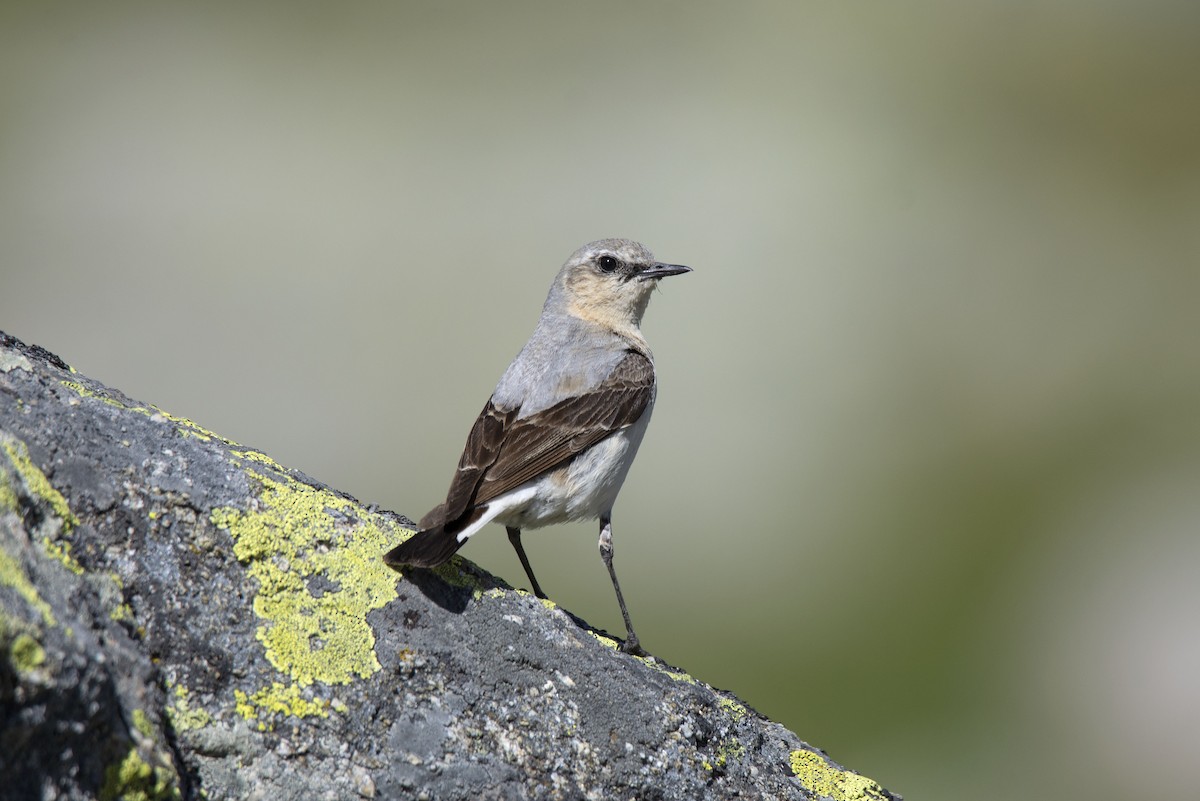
{"points": [[565, 357]]}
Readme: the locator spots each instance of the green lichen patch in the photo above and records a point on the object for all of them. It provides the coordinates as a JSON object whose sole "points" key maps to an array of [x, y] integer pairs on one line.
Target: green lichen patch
{"points": [[260, 458], [12, 575], [184, 426], [649, 661], [181, 714], [8, 495], [735, 710], [730, 750], [35, 481], [824, 780], [141, 722], [279, 699], [133, 779], [675, 675], [316, 558], [84, 392], [20, 477], [61, 552], [453, 574], [26, 654], [607, 642]]}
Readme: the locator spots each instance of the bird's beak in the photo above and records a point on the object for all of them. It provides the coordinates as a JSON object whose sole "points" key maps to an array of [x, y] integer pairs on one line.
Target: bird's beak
{"points": [[660, 270]]}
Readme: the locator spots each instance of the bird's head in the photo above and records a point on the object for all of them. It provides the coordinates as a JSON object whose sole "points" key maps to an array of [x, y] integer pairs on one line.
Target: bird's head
{"points": [[609, 282]]}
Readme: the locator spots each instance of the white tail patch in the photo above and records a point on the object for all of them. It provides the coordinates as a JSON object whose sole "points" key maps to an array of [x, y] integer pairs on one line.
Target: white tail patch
{"points": [[504, 503]]}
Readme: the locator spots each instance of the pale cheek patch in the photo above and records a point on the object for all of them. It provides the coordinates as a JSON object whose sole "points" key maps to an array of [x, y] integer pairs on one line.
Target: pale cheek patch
{"points": [[622, 318]]}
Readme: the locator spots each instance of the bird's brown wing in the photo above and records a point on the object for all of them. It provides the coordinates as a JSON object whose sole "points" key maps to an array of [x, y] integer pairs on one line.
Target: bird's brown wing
{"points": [[503, 452], [482, 448]]}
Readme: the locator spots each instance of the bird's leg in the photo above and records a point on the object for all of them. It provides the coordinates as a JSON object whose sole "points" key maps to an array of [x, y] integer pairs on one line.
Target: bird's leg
{"points": [[631, 645], [514, 536]]}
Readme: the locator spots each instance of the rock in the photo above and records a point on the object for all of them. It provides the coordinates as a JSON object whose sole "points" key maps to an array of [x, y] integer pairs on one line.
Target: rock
{"points": [[183, 617]]}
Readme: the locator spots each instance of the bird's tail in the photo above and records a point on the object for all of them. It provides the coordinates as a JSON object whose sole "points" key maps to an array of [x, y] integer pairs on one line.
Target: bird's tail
{"points": [[427, 548]]}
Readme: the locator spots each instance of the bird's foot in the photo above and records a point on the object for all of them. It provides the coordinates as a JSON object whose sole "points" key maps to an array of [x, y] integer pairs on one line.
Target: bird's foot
{"points": [[632, 647]]}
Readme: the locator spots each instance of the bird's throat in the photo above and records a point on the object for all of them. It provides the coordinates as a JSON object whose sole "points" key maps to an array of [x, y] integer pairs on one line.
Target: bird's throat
{"points": [[624, 322]]}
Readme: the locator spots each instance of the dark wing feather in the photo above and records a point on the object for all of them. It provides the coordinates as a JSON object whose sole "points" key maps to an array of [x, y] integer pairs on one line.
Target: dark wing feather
{"points": [[482, 448], [554, 436], [503, 452]]}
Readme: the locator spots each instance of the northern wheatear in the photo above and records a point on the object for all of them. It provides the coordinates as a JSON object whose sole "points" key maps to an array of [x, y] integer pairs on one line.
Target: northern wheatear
{"points": [[558, 435]]}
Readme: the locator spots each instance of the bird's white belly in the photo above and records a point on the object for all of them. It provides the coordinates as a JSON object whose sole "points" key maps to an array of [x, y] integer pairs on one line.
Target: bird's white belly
{"points": [[583, 490]]}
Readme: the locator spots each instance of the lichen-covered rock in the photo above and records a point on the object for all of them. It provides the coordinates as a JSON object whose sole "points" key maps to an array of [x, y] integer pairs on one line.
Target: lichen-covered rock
{"points": [[182, 617], [80, 705]]}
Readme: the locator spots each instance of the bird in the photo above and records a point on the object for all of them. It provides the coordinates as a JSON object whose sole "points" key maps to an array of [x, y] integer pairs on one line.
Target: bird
{"points": [[555, 441]]}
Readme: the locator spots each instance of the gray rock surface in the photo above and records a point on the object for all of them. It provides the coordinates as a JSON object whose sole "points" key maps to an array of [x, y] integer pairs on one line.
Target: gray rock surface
{"points": [[182, 617]]}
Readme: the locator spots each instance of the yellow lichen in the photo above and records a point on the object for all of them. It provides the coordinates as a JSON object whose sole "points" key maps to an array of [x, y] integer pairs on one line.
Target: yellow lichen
{"points": [[648, 661], [36, 483], [730, 750], [25, 478], [8, 495], [673, 674], [676, 675], [319, 572], [261, 458], [824, 780], [133, 779], [84, 392], [316, 558], [61, 551], [279, 699], [182, 716], [607, 642], [452, 573], [184, 426], [11, 575], [735, 710], [26, 654], [141, 722]]}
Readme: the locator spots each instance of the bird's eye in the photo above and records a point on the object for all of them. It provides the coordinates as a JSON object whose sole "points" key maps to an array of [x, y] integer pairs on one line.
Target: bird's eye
{"points": [[608, 264]]}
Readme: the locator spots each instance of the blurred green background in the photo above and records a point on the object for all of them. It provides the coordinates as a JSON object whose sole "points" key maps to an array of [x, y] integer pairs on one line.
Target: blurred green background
{"points": [[923, 482]]}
